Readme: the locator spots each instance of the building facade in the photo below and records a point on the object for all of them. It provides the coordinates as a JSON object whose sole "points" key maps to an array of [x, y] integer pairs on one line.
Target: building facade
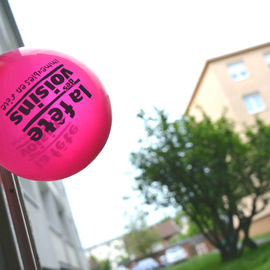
{"points": [[113, 250], [240, 83], [52, 225], [117, 250]]}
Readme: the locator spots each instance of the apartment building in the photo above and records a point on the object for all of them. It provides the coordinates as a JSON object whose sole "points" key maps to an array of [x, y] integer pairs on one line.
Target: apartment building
{"points": [[56, 238], [239, 82]]}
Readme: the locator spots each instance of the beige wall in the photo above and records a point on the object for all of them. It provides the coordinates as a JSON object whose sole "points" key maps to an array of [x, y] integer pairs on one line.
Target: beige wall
{"points": [[259, 206], [260, 226], [259, 80], [210, 97], [217, 90]]}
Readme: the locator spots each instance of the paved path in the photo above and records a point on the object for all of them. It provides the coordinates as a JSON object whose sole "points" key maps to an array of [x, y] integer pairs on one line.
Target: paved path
{"points": [[262, 241]]}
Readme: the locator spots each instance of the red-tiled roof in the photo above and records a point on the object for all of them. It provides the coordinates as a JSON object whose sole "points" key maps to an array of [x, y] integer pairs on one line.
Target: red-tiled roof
{"points": [[166, 229]]}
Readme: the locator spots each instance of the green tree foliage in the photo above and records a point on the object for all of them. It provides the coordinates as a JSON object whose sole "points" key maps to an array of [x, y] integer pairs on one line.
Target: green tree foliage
{"points": [[140, 238], [97, 264], [183, 221], [207, 168]]}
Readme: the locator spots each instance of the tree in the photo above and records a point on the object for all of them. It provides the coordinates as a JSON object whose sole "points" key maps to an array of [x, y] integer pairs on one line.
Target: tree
{"points": [[140, 238], [183, 221], [208, 169], [96, 264]]}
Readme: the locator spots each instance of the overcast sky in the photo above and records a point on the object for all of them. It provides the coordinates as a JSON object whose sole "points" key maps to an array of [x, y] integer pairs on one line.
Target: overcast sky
{"points": [[146, 53]]}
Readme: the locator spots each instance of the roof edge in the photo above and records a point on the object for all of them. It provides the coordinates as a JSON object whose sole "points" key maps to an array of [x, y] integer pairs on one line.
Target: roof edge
{"points": [[197, 87], [209, 61]]}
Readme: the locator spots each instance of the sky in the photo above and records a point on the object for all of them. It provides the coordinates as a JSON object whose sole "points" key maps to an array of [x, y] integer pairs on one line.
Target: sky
{"points": [[147, 53]]}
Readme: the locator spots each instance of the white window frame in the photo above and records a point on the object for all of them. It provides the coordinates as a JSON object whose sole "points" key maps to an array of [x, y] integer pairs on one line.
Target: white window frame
{"points": [[251, 104], [267, 58], [238, 71]]}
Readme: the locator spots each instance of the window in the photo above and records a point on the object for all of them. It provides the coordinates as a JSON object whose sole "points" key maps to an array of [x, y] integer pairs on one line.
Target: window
{"points": [[238, 71], [254, 103], [267, 58]]}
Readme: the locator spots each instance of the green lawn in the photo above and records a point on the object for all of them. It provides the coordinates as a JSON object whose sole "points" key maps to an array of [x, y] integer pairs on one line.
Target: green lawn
{"points": [[261, 236], [258, 259]]}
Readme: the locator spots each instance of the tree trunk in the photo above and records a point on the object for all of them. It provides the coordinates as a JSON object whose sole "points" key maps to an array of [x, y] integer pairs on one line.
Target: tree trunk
{"points": [[248, 242], [226, 243], [228, 252]]}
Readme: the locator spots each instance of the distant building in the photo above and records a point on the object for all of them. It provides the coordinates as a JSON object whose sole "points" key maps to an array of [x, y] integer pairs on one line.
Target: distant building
{"points": [[113, 250], [166, 230], [116, 249], [196, 245], [239, 82]]}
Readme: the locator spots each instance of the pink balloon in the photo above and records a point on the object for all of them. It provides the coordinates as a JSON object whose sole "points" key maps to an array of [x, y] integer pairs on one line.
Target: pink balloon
{"points": [[55, 115]]}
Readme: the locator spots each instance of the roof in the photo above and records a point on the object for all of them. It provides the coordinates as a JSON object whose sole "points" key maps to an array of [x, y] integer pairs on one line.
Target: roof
{"points": [[208, 62], [166, 229]]}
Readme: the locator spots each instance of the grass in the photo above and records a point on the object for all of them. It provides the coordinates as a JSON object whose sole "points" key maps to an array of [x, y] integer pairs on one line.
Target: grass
{"points": [[258, 237], [261, 236], [258, 259]]}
